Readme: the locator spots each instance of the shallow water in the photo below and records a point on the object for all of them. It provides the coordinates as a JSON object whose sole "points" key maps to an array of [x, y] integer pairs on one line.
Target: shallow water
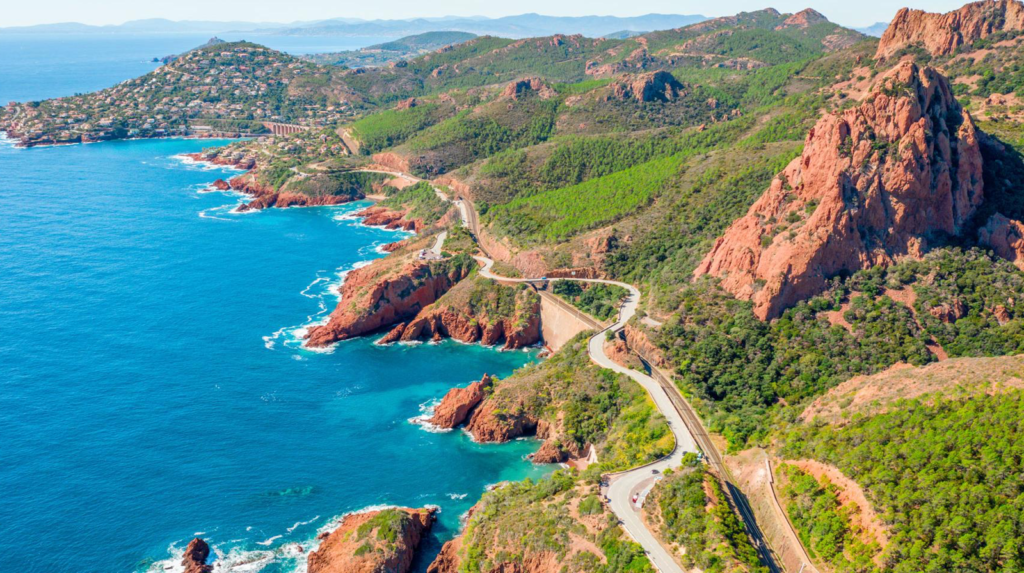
{"points": [[151, 387]]}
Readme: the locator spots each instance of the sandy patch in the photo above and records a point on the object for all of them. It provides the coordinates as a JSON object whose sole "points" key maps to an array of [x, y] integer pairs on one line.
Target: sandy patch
{"points": [[957, 377], [863, 516]]}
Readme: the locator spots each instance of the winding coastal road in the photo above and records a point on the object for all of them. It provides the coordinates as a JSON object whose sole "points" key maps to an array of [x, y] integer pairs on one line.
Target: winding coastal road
{"points": [[623, 486]]}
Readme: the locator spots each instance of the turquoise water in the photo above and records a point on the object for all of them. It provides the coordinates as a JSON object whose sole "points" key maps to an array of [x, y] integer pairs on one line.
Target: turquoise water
{"points": [[151, 387]]}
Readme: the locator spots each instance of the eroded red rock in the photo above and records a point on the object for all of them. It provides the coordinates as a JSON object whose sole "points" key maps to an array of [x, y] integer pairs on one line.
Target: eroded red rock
{"points": [[344, 549], [875, 183], [457, 405], [196, 554], [943, 34], [1006, 237]]}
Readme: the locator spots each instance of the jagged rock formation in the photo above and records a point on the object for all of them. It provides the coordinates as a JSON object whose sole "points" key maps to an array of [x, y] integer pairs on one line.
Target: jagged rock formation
{"points": [[477, 310], [373, 542], [265, 196], [458, 404], [1005, 237], [550, 452], [942, 34], [492, 424], [389, 219], [519, 87], [875, 183], [388, 291], [652, 86], [196, 554]]}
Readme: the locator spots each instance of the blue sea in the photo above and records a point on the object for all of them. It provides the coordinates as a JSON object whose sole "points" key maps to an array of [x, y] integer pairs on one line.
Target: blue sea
{"points": [[152, 385]]}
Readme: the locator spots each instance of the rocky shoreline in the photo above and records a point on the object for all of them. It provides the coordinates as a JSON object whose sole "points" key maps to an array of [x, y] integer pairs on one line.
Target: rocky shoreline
{"points": [[263, 196], [23, 141]]}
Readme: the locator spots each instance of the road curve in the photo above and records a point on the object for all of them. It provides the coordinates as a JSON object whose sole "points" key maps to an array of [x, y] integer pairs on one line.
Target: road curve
{"points": [[623, 485]]}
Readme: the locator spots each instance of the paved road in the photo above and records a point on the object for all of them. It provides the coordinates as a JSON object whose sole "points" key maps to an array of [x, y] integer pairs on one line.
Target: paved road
{"points": [[439, 242], [623, 485], [668, 401]]}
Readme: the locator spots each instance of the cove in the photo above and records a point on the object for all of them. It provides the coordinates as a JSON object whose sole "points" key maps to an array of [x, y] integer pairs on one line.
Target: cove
{"points": [[151, 387]]}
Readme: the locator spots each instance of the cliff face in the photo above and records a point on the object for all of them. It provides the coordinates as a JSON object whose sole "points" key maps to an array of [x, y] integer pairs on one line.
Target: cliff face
{"points": [[389, 219], [874, 184], [388, 291], [942, 34], [647, 87], [477, 310], [459, 403], [493, 424], [1006, 237], [536, 85], [265, 196], [372, 542]]}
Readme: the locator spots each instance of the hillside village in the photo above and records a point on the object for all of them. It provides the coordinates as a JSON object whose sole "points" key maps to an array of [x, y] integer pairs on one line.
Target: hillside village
{"points": [[226, 89]]}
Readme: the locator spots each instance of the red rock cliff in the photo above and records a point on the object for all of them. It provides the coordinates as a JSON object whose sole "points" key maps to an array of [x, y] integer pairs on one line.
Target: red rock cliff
{"points": [[380, 295], [343, 550], [873, 185], [464, 315], [459, 403], [265, 196], [1006, 237], [942, 34]]}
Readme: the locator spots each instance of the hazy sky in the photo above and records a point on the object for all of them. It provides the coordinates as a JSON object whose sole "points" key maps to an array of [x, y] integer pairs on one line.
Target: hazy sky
{"points": [[18, 13]]}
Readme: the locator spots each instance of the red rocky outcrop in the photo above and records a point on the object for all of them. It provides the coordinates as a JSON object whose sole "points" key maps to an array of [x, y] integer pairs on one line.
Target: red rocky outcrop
{"points": [[520, 87], [943, 34], [458, 404], [447, 561], [490, 424], [1005, 237], [195, 557], [372, 298], [651, 86], [388, 218], [342, 550], [264, 196], [874, 184], [550, 452], [464, 326], [803, 19], [406, 104], [220, 185]]}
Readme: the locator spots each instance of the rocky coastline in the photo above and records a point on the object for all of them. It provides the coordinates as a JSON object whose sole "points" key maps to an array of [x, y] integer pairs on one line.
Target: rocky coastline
{"points": [[26, 141], [373, 541]]}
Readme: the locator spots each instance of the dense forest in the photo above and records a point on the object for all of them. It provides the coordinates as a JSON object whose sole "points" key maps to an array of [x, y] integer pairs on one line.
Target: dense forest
{"points": [[946, 478]]}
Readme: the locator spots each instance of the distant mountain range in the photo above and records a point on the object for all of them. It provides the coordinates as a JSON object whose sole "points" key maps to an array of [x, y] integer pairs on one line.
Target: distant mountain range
{"points": [[876, 29], [521, 26]]}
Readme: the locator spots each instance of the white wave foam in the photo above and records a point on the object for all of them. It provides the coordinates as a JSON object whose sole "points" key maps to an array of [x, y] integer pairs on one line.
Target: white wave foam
{"points": [[426, 413], [208, 213], [301, 523], [238, 560], [173, 562], [458, 495], [295, 336], [267, 542]]}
